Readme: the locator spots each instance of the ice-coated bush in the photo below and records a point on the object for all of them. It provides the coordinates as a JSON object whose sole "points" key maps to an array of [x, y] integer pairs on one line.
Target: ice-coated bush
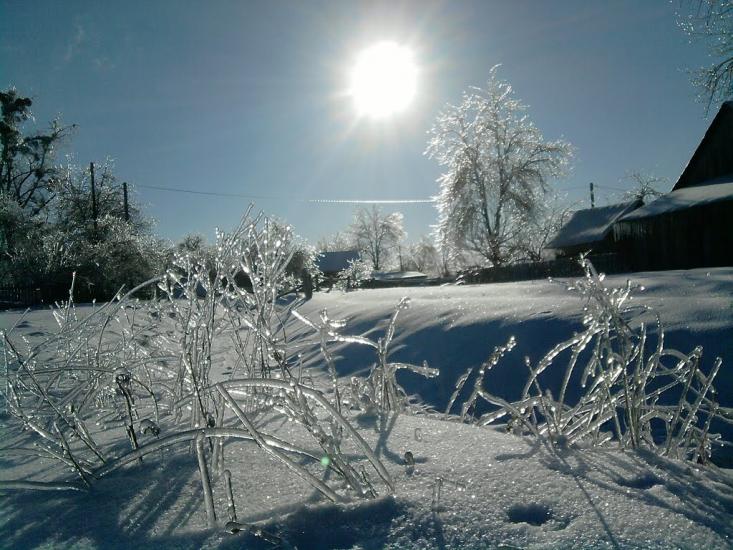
{"points": [[118, 382], [380, 389], [632, 390], [114, 385], [357, 271]]}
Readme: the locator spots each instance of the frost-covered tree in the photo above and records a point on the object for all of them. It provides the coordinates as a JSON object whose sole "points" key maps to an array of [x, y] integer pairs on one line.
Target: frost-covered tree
{"points": [[192, 243], [377, 234], [50, 223], [335, 243], [21, 240], [711, 21], [105, 253], [423, 256], [74, 208], [497, 166], [539, 229], [28, 177]]}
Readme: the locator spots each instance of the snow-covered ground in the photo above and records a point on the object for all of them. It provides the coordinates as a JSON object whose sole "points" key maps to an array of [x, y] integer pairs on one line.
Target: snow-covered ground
{"points": [[469, 487], [497, 490], [456, 327]]}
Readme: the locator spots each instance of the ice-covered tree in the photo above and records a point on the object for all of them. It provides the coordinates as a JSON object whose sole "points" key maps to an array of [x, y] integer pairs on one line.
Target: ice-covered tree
{"points": [[28, 177], [711, 21], [539, 229], [105, 251], [497, 167], [75, 208], [377, 234], [192, 243], [423, 256], [335, 243]]}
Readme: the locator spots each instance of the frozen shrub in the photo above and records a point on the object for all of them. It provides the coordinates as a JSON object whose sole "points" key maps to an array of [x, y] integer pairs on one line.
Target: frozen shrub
{"points": [[640, 395], [142, 371], [380, 389], [354, 274]]}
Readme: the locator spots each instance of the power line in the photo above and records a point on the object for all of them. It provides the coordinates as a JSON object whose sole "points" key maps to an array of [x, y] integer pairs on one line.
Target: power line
{"points": [[329, 201], [375, 201], [210, 193], [270, 197], [601, 185]]}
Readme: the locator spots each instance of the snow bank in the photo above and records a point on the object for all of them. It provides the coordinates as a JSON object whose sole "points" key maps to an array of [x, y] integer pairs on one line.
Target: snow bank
{"points": [[456, 327], [467, 487]]}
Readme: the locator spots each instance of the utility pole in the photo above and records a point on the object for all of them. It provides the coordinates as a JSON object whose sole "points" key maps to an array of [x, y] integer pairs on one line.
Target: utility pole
{"points": [[94, 198], [592, 196], [127, 206]]}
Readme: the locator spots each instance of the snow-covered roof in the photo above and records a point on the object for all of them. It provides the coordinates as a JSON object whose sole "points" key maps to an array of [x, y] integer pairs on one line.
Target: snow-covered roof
{"points": [[590, 225], [397, 275], [686, 197], [330, 262]]}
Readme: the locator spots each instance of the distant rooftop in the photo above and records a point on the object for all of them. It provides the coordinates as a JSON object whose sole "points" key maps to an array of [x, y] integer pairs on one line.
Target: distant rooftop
{"points": [[397, 275], [590, 225], [331, 262], [686, 197]]}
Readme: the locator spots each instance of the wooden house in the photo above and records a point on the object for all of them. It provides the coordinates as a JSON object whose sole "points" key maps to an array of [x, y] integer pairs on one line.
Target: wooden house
{"points": [[331, 264], [692, 225], [589, 231]]}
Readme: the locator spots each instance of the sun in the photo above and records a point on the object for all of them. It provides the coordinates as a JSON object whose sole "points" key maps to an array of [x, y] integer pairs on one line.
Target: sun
{"points": [[383, 80]]}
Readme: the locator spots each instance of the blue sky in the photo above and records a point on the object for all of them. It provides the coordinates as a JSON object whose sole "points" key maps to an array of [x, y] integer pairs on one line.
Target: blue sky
{"points": [[248, 97]]}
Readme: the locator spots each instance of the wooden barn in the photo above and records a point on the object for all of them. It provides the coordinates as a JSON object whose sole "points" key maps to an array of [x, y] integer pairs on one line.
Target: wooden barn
{"points": [[692, 225], [589, 230]]}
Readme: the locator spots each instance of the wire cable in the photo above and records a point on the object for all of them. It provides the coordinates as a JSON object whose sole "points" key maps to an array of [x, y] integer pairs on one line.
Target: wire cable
{"points": [[270, 197]]}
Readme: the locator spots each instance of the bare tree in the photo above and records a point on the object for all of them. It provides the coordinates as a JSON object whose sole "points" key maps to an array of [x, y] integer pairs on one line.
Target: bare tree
{"points": [[377, 234], [497, 165], [646, 186], [711, 21]]}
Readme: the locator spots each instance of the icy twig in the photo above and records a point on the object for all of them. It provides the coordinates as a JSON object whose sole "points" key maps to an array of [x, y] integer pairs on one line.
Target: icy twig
{"points": [[205, 481]]}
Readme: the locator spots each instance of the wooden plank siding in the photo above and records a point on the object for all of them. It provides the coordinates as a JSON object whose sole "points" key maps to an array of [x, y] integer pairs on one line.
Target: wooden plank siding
{"points": [[701, 236]]}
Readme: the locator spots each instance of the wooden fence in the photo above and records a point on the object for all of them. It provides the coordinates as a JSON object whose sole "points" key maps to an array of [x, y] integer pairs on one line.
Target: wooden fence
{"points": [[563, 267], [23, 297], [12, 297]]}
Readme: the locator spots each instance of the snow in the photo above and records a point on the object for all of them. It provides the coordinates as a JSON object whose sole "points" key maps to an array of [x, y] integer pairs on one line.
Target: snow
{"points": [[456, 327], [590, 225], [687, 197], [496, 490]]}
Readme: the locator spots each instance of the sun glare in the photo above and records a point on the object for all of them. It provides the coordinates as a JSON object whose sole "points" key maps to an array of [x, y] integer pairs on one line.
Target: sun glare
{"points": [[383, 80]]}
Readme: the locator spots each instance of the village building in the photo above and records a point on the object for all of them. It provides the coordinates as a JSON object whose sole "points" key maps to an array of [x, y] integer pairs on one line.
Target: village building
{"points": [[691, 226], [331, 264], [589, 231]]}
